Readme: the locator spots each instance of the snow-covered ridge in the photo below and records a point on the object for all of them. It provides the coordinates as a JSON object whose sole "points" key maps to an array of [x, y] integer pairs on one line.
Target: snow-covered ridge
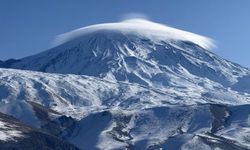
{"points": [[142, 27]]}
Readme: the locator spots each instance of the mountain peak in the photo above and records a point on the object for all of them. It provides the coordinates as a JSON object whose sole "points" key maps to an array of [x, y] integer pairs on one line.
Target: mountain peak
{"points": [[141, 27], [135, 51]]}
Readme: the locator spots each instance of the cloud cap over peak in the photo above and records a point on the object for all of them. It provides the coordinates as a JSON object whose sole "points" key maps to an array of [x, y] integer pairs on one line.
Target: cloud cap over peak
{"points": [[142, 27]]}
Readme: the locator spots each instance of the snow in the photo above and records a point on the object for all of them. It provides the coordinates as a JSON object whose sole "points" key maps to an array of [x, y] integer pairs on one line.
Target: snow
{"points": [[8, 132], [20, 110], [142, 27], [82, 95], [239, 125], [195, 144], [101, 106], [91, 127]]}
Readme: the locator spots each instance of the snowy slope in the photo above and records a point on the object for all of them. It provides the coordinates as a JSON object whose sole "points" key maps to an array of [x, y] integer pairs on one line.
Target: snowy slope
{"points": [[17, 135], [175, 127], [113, 115], [8, 131], [77, 96]]}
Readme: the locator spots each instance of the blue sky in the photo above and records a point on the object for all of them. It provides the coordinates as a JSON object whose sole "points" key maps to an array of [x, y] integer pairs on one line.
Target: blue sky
{"points": [[28, 26]]}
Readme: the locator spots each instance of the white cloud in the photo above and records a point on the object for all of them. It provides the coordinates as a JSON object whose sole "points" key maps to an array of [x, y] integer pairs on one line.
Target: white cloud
{"points": [[134, 15], [140, 26]]}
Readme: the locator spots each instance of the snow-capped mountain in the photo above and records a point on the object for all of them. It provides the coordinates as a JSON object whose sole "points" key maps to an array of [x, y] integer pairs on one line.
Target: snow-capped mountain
{"points": [[136, 51], [133, 84]]}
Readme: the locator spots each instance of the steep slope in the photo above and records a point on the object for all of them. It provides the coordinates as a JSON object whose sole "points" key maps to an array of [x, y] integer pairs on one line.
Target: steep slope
{"points": [[137, 51]]}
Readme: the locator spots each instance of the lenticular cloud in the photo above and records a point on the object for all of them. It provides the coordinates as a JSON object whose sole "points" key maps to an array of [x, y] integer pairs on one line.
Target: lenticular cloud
{"points": [[142, 27]]}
